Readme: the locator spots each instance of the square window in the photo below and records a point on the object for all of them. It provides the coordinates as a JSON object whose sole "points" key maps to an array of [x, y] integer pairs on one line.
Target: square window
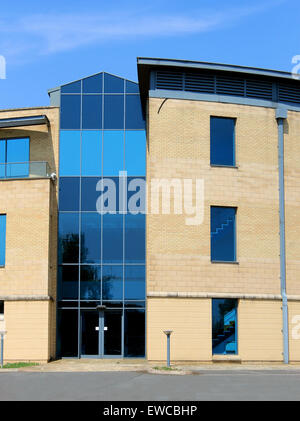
{"points": [[112, 238], [224, 326], [135, 238], [70, 111], [90, 282], [135, 152], [134, 115], [114, 112], [113, 152], [90, 238], [222, 141], [91, 153], [68, 282], [112, 283], [68, 237], [69, 152], [69, 193], [223, 234], [135, 285], [92, 111]]}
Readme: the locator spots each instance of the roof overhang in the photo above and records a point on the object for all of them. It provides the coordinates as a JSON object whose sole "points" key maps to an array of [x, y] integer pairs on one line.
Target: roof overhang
{"points": [[146, 65], [24, 121]]}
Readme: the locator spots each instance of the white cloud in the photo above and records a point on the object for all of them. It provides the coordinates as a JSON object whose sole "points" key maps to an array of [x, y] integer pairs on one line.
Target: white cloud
{"points": [[52, 33]]}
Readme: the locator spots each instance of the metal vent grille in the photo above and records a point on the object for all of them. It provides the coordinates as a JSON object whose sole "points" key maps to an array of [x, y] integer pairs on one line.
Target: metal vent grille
{"points": [[259, 89], [169, 80], [199, 83], [202, 82], [230, 86], [289, 93]]}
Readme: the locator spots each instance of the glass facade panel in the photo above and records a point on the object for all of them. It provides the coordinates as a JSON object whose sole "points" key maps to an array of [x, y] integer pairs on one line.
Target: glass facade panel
{"points": [[14, 154], [112, 238], [95, 268], [92, 112], [72, 88], [2, 239], [135, 152], [135, 282], [67, 323], [113, 152], [92, 84], [69, 161], [91, 153], [90, 282], [68, 237], [135, 232], [70, 111], [224, 326], [134, 333], [90, 246], [112, 282], [134, 115], [68, 282], [114, 112], [132, 87], [69, 189], [223, 234], [113, 84], [222, 141]]}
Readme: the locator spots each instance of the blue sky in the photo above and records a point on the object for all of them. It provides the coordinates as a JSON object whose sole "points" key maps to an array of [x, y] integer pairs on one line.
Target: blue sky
{"points": [[46, 44]]}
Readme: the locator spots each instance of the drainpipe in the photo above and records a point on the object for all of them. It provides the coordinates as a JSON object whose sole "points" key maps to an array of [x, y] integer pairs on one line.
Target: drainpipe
{"points": [[281, 115]]}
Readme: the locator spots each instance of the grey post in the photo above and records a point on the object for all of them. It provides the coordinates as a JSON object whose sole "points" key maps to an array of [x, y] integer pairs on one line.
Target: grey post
{"points": [[168, 333]]}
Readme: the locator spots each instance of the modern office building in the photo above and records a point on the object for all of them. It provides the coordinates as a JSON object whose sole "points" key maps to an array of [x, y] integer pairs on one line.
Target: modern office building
{"points": [[88, 270]]}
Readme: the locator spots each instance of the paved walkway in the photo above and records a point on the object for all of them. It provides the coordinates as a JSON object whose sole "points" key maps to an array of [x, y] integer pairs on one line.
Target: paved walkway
{"points": [[142, 365]]}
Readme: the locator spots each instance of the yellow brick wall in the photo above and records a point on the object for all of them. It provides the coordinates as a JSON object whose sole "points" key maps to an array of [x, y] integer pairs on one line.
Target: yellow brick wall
{"points": [[190, 320], [178, 255], [27, 337], [31, 232], [259, 330]]}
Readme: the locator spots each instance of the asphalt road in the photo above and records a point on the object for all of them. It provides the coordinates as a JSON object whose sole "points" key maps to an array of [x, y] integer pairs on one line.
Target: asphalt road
{"points": [[112, 386]]}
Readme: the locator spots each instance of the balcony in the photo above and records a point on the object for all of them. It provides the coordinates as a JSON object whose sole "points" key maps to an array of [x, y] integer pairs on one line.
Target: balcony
{"points": [[19, 170]]}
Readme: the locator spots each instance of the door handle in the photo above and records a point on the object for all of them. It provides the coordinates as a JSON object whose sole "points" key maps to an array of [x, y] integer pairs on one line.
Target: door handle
{"points": [[97, 328], [105, 328]]}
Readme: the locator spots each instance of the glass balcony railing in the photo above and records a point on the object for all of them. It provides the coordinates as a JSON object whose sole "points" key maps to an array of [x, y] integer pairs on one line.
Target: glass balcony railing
{"points": [[24, 170]]}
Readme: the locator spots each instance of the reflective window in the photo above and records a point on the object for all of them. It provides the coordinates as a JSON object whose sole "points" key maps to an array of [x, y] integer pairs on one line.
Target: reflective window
{"points": [[113, 238], [89, 194], [135, 232], [90, 282], [2, 239], [134, 333], [70, 106], [134, 116], [72, 88], [222, 141], [112, 282], [113, 111], [132, 88], [224, 326], [69, 153], [67, 322], [68, 282], [113, 152], [93, 84], [113, 84], [135, 282], [68, 237], [135, 152], [15, 154], [223, 233], [91, 153], [92, 111], [90, 238], [69, 193]]}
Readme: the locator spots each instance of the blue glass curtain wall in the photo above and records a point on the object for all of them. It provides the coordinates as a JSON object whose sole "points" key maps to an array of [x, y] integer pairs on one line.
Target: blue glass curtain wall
{"points": [[101, 257]]}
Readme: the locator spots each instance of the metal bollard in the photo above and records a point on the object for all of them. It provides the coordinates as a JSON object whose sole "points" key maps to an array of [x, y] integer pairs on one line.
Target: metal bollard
{"points": [[168, 333]]}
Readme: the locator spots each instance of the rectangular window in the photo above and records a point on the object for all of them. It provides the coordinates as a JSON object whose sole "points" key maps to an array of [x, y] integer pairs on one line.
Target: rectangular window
{"points": [[2, 239], [224, 326], [223, 234], [222, 141], [1, 308], [14, 158]]}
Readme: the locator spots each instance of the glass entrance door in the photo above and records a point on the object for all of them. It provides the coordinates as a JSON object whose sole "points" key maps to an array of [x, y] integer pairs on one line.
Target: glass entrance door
{"points": [[112, 333], [90, 333], [101, 333]]}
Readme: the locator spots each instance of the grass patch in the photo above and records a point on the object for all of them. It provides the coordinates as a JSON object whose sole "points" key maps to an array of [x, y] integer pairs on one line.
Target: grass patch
{"points": [[19, 365], [165, 368]]}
